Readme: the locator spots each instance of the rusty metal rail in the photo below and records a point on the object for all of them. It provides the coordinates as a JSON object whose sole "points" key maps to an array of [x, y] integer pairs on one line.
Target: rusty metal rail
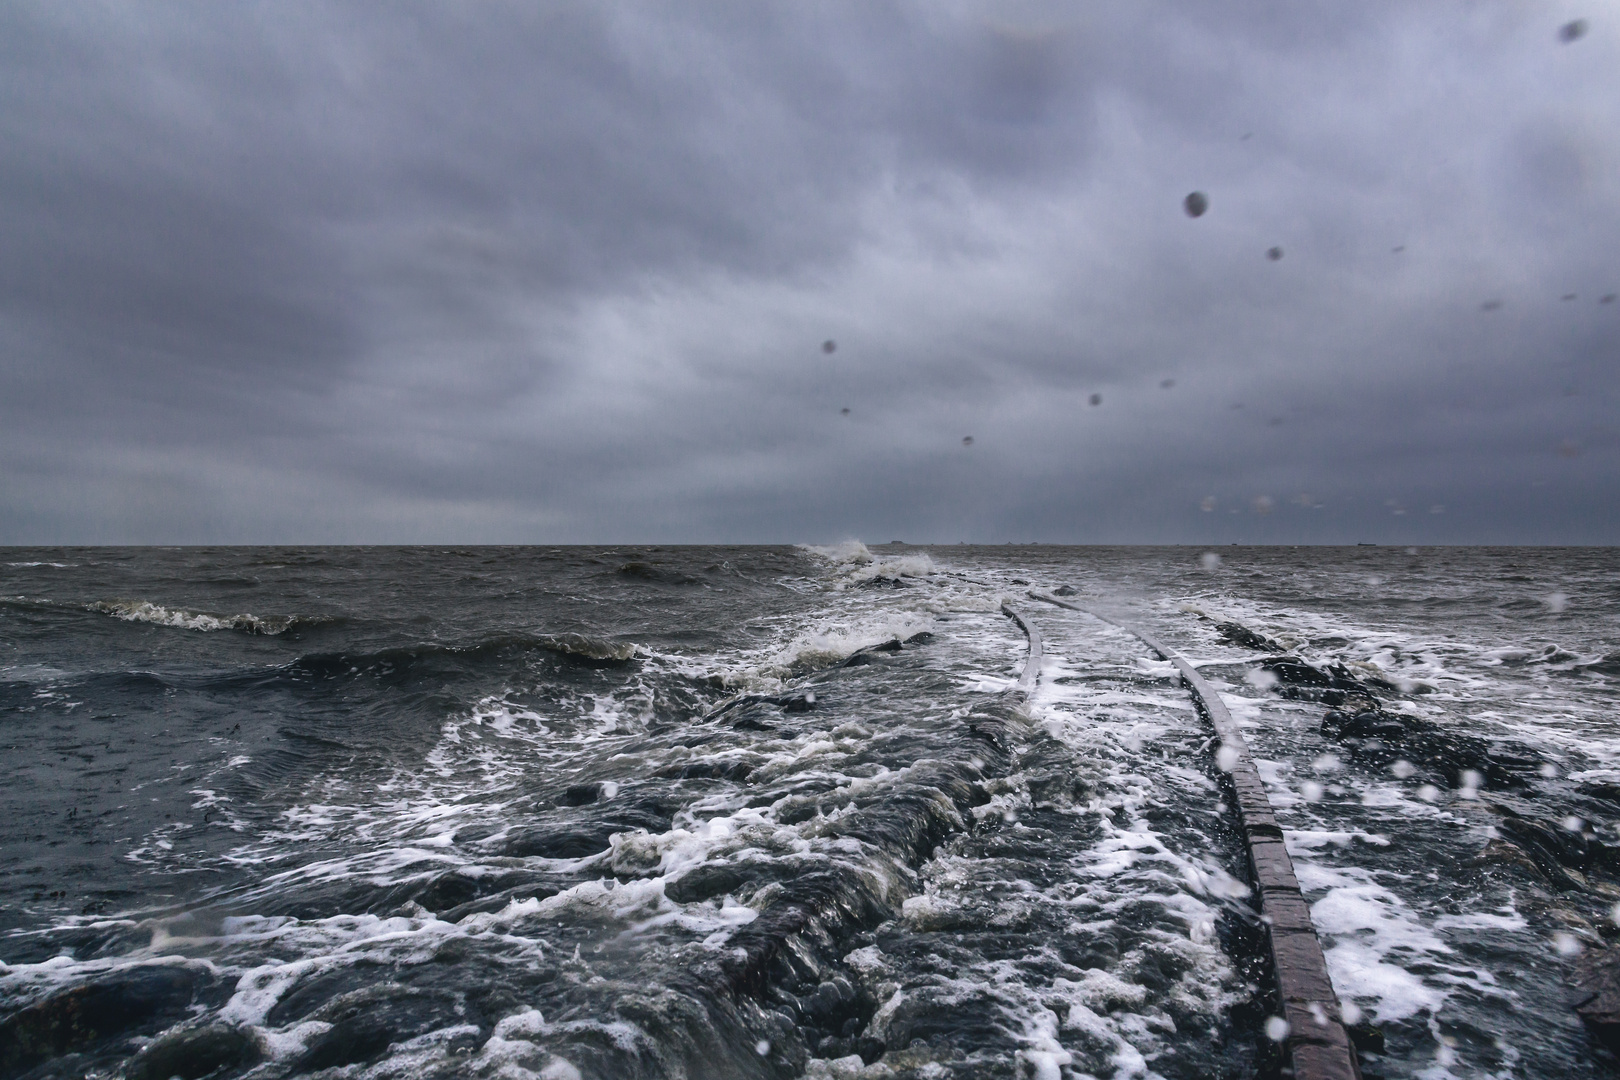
{"points": [[1318, 1042]]}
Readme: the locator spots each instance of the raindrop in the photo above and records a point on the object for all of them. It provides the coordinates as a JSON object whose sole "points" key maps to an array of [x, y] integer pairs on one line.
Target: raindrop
{"points": [[1568, 296], [1567, 944], [829, 346], [1311, 790], [1276, 1029], [1403, 769], [1548, 770], [1195, 204], [763, 1047], [1226, 758], [1167, 384], [1608, 298], [1471, 781], [967, 440], [1428, 793], [844, 411], [1573, 824], [1210, 561], [1491, 305], [1247, 135], [1572, 31], [1350, 1012], [1207, 505], [1556, 602], [1274, 253], [1567, 448], [1263, 504], [1397, 249], [1096, 399]]}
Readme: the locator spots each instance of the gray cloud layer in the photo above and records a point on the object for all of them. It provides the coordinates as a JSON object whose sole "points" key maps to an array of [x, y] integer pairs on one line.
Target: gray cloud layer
{"points": [[510, 273]]}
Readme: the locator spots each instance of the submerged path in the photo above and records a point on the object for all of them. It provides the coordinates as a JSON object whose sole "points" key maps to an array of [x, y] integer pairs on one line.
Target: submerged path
{"points": [[1318, 1043]]}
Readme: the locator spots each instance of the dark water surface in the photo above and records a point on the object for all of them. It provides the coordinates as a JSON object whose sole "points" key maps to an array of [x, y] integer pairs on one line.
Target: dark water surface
{"points": [[642, 812]]}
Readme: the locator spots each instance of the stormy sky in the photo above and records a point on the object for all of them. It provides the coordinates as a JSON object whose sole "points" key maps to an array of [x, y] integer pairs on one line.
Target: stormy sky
{"points": [[527, 272]]}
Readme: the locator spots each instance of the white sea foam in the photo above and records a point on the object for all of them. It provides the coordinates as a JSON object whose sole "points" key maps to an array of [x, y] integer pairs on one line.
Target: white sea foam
{"points": [[148, 612], [846, 553]]}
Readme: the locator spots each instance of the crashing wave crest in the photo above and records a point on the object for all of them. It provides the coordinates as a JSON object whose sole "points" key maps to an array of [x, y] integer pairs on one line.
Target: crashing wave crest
{"points": [[184, 619]]}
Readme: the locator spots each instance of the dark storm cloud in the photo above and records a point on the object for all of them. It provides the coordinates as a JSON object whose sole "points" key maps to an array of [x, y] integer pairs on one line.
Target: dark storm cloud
{"points": [[563, 272]]}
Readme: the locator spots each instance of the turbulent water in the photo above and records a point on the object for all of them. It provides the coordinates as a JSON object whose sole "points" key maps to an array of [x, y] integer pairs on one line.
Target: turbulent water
{"points": [[770, 812]]}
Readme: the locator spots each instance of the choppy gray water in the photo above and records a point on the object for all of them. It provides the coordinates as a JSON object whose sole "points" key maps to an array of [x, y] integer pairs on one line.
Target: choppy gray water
{"points": [[723, 812]]}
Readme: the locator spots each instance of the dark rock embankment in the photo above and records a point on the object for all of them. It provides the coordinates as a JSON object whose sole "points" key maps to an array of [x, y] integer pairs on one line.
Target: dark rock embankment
{"points": [[1547, 830], [1378, 737], [76, 1025], [1357, 720]]}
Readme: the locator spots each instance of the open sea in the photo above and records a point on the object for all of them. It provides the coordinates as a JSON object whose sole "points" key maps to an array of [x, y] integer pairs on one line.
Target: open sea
{"points": [[776, 812]]}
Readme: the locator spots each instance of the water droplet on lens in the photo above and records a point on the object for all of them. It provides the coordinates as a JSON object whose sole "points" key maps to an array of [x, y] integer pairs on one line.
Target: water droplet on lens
{"points": [[1096, 399], [1572, 31], [1403, 769], [1167, 384], [1350, 1013], [967, 440], [1207, 505], [1195, 204], [763, 1047], [1491, 305], [1567, 944], [829, 346], [1276, 1029], [844, 411], [1209, 560], [1274, 253]]}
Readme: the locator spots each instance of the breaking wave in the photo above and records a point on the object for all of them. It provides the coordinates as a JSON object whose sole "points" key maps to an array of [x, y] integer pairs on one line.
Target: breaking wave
{"points": [[204, 621]]}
